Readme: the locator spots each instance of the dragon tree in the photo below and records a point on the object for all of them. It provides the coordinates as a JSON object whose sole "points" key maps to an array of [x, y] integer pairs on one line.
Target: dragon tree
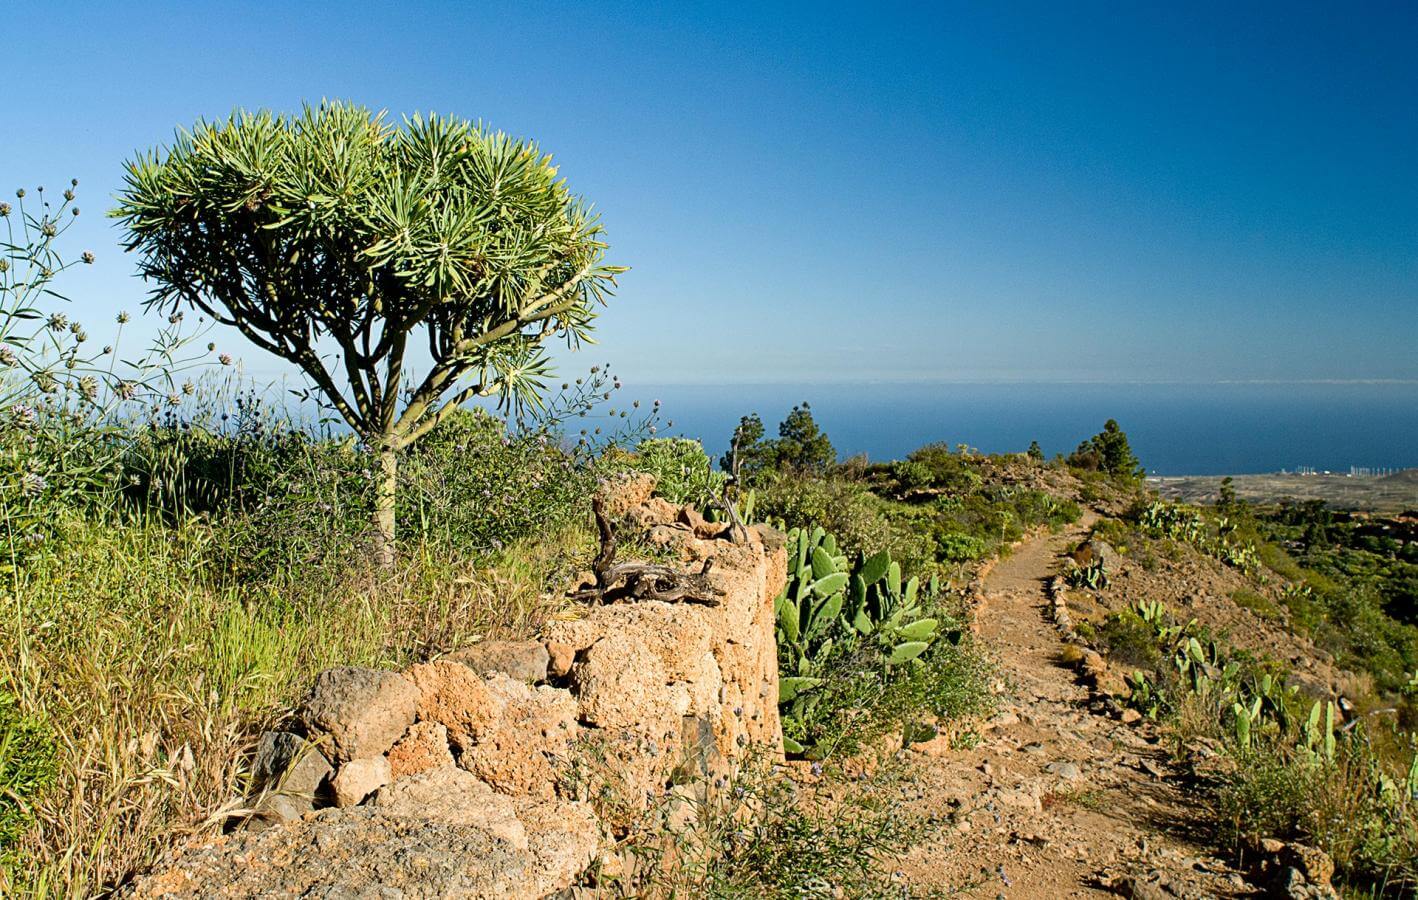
{"points": [[361, 250]]}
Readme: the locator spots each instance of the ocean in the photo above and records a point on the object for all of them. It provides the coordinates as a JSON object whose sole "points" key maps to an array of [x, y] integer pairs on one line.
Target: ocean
{"points": [[1175, 429]]}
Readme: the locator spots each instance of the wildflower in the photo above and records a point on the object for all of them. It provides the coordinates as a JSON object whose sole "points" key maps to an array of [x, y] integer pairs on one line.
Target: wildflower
{"points": [[126, 390], [88, 386], [48, 229], [69, 195], [106, 350], [45, 382], [73, 182], [224, 359], [33, 484], [188, 388], [173, 399], [817, 768], [87, 256], [23, 415], [20, 193], [4, 209], [75, 210], [175, 317], [4, 263], [123, 318], [58, 322], [7, 357]]}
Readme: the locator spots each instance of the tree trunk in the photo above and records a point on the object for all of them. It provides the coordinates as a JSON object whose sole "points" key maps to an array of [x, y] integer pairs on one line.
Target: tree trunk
{"points": [[386, 484]]}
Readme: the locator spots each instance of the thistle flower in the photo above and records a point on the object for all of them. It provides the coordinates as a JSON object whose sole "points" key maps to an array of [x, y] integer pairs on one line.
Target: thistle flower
{"points": [[175, 317], [87, 256], [126, 390], [48, 229], [188, 388], [173, 399], [68, 195], [123, 318], [224, 359], [7, 357], [58, 322], [4, 263], [4, 209], [23, 415], [88, 386], [45, 382], [80, 335]]}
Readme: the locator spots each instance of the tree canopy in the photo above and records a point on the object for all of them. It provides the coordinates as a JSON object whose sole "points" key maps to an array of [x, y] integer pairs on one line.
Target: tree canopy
{"points": [[340, 241]]}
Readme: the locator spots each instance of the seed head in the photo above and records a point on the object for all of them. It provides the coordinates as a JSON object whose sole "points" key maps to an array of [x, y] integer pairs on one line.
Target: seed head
{"points": [[88, 258], [33, 484]]}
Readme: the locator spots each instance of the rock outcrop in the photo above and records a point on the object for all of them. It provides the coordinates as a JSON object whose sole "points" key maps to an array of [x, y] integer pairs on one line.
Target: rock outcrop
{"points": [[480, 774]]}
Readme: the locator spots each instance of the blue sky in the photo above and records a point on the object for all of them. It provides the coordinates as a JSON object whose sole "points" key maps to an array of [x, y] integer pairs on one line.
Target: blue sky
{"points": [[997, 191]]}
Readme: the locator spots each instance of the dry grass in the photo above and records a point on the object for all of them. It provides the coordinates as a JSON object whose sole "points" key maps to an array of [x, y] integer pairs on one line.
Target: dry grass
{"points": [[152, 678]]}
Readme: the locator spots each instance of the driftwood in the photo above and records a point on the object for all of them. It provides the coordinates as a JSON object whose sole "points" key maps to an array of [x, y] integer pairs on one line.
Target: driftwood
{"points": [[632, 581]]}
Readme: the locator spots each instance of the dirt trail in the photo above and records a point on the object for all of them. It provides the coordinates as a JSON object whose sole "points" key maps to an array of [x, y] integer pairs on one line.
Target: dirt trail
{"points": [[1057, 798]]}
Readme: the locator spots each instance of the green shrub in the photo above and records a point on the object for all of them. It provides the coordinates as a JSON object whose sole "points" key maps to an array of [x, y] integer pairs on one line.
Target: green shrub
{"points": [[766, 836], [683, 470], [1128, 640]]}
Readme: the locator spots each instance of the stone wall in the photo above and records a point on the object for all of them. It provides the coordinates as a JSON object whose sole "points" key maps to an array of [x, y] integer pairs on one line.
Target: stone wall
{"points": [[483, 773]]}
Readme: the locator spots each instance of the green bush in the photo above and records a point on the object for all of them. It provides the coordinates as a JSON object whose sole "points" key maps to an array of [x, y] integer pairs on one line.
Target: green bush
{"points": [[683, 470]]}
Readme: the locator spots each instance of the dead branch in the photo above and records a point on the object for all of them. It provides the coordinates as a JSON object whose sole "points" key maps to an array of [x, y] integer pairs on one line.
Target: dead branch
{"points": [[634, 581]]}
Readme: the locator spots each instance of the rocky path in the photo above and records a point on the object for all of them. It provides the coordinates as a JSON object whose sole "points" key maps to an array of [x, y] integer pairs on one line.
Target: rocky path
{"points": [[1054, 797]]}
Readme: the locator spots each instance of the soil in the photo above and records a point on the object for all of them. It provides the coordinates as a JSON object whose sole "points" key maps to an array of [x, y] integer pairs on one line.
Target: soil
{"points": [[1056, 798]]}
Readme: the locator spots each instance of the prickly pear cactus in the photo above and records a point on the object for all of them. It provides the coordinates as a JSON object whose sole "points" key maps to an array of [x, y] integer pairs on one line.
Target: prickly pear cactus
{"points": [[828, 605]]}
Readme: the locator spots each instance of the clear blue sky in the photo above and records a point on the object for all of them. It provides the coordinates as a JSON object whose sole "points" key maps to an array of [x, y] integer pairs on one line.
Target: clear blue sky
{"points": [[998, 191]]}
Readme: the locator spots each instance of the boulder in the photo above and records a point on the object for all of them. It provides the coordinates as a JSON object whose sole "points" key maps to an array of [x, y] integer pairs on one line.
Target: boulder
{"points": [[437, 835], [457, 698], [560, 659], [273, 809], [423, 747], [524, 750], [623, 492], [452, 796], [359, 778], [523, 660], [288, 763], [362, 712]]}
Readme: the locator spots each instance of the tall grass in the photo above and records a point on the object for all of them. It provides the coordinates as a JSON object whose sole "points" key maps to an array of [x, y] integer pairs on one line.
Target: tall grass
{"points": [[149, 679]]}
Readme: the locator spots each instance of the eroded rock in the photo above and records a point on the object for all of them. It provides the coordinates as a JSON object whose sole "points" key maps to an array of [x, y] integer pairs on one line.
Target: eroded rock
{"points": [[362, 712], [523, 660]]}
